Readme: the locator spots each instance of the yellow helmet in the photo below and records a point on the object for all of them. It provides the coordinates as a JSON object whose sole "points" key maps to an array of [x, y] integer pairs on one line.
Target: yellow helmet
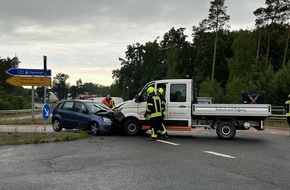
{"points": [[289, 96], [160, 90], [150, 90]]}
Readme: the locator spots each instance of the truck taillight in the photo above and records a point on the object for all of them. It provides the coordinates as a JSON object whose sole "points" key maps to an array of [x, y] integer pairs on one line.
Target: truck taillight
{"points": [[262, 124]]}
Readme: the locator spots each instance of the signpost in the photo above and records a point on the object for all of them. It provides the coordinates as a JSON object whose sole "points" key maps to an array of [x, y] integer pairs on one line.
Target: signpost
{"points": [[32, 77], [44, 73], [28, 72], [28, 81]]}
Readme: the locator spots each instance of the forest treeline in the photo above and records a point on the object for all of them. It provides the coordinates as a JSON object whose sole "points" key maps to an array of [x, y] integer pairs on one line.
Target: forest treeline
{"points": [[222, 62]]}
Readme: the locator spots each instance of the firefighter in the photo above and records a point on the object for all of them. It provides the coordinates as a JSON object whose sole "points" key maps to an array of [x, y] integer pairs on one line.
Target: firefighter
{"points": [[160, 93], [153, 112], [287, 107]]}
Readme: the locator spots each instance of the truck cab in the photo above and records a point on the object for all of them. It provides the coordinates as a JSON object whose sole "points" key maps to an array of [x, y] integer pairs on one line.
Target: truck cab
{"points": [[178, 95]]}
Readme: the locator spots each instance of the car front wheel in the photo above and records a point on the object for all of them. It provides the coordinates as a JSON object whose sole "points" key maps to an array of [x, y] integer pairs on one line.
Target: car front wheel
{"points": [[94, 128], [56, 126]]}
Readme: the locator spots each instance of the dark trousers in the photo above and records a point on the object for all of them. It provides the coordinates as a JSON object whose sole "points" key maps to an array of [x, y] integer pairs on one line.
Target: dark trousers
{"points": [[163, 126], [155, 125], [288, 121]]}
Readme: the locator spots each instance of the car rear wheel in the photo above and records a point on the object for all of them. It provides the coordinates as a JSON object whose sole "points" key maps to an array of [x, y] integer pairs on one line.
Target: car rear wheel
{"points": [[56, 126], [94, 128]]}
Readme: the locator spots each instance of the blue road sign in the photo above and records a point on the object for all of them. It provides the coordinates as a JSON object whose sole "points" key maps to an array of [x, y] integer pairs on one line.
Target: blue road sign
{"points": [[45, 111], [30, 72]]}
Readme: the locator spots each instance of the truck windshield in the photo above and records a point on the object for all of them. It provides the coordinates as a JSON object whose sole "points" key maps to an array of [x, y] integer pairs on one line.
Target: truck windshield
{"points": [[143, 94]]}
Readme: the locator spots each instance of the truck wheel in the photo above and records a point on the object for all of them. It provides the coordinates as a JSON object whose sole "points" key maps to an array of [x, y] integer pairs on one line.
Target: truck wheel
{"points": [[226, 130], [132, 127]]}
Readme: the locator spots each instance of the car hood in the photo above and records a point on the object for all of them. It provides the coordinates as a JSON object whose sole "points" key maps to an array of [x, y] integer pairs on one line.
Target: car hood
{"points": [[115, 116], [104, 112]]}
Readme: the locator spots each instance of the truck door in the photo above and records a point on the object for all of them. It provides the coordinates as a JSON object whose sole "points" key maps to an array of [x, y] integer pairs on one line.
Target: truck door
{"points": [[178, 113], [142, 102]]}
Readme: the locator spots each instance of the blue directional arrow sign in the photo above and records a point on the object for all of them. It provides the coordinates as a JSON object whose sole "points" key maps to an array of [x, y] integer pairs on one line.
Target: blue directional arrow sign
{"points": [[30, 72], [45, 111]]}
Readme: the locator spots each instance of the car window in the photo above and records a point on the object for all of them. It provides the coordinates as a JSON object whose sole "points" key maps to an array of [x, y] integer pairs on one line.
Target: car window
{"points": [[92, 108], [80, 107], [97, 106], [68, 106], [84, 109]]}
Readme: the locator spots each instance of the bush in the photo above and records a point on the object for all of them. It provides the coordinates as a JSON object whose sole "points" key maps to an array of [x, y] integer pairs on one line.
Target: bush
{"points": [[212, 89], [12, 102]]}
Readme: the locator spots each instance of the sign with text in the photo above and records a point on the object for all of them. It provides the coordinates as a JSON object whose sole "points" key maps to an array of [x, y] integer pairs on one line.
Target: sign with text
{"points": [[28, 81], [28, 72]]}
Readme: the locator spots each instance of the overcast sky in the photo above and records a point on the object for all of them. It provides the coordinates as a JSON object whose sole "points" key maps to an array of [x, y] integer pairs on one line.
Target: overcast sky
{"points": [[85, 38]]}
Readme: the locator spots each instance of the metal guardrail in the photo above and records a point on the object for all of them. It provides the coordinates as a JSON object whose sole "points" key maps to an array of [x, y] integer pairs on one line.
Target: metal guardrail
{"points": [[278, 110], [2, 112], [278, 113]]}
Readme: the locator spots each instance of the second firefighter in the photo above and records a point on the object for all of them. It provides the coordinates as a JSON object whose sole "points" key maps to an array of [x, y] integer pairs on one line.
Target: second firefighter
{"points": [[154, 113]]}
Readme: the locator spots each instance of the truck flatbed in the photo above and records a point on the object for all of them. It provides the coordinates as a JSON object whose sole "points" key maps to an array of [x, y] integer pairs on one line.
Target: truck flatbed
{"points": [[255, 110]]}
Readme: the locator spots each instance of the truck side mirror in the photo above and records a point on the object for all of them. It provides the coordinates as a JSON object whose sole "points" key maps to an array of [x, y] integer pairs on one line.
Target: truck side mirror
{"points": [[137, 98]]}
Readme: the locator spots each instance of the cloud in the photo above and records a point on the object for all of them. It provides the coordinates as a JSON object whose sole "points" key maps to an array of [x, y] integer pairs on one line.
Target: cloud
{"points": [[91, 35]]}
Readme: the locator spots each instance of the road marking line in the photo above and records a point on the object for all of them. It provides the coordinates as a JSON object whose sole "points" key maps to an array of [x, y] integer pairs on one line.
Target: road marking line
{"points": [[167, 142], [219, 154]]}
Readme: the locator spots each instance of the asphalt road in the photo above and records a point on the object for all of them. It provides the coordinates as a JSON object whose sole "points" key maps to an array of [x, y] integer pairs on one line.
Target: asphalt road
{"points": [[187, 160]]}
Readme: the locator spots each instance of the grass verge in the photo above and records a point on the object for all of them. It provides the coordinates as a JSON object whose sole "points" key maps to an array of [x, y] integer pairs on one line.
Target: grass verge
{"points": [[27, 121], [22, 119], [277, 123], [16, 137]]}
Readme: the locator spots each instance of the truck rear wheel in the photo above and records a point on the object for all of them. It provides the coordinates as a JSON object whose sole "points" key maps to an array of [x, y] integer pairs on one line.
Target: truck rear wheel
{"points": [[132, 127], [226, 130]]}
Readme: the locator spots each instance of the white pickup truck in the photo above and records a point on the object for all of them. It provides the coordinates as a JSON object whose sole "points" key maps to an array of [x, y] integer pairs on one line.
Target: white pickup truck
{"points": [[183, 114]]}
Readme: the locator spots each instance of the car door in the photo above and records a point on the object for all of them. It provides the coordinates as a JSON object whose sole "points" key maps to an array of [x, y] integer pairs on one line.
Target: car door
{"points": [[81, 115], [66, 114]]}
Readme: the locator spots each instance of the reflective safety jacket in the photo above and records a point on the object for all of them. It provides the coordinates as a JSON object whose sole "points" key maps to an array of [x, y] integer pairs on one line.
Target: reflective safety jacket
{"points": [[163, 104], [154, 107], [287, 106], [110, 103]]}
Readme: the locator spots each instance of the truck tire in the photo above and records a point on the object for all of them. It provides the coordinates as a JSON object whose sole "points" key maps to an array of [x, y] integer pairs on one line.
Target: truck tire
{"points": [[226, 130], [132, 127]]}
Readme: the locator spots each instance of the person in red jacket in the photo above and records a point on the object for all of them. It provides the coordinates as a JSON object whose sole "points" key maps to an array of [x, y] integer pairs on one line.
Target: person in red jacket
{"points": [[108, 101]]}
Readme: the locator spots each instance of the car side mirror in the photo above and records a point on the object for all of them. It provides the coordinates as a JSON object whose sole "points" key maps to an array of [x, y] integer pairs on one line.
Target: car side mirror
{"points": [[137, 98]]}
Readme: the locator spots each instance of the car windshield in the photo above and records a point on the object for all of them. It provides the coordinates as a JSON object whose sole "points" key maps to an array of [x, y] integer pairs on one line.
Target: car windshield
{"points": [[97, 106]]}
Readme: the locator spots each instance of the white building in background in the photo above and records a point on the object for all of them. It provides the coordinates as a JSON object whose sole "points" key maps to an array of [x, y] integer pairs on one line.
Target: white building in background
{"points": [[52, 97]]}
